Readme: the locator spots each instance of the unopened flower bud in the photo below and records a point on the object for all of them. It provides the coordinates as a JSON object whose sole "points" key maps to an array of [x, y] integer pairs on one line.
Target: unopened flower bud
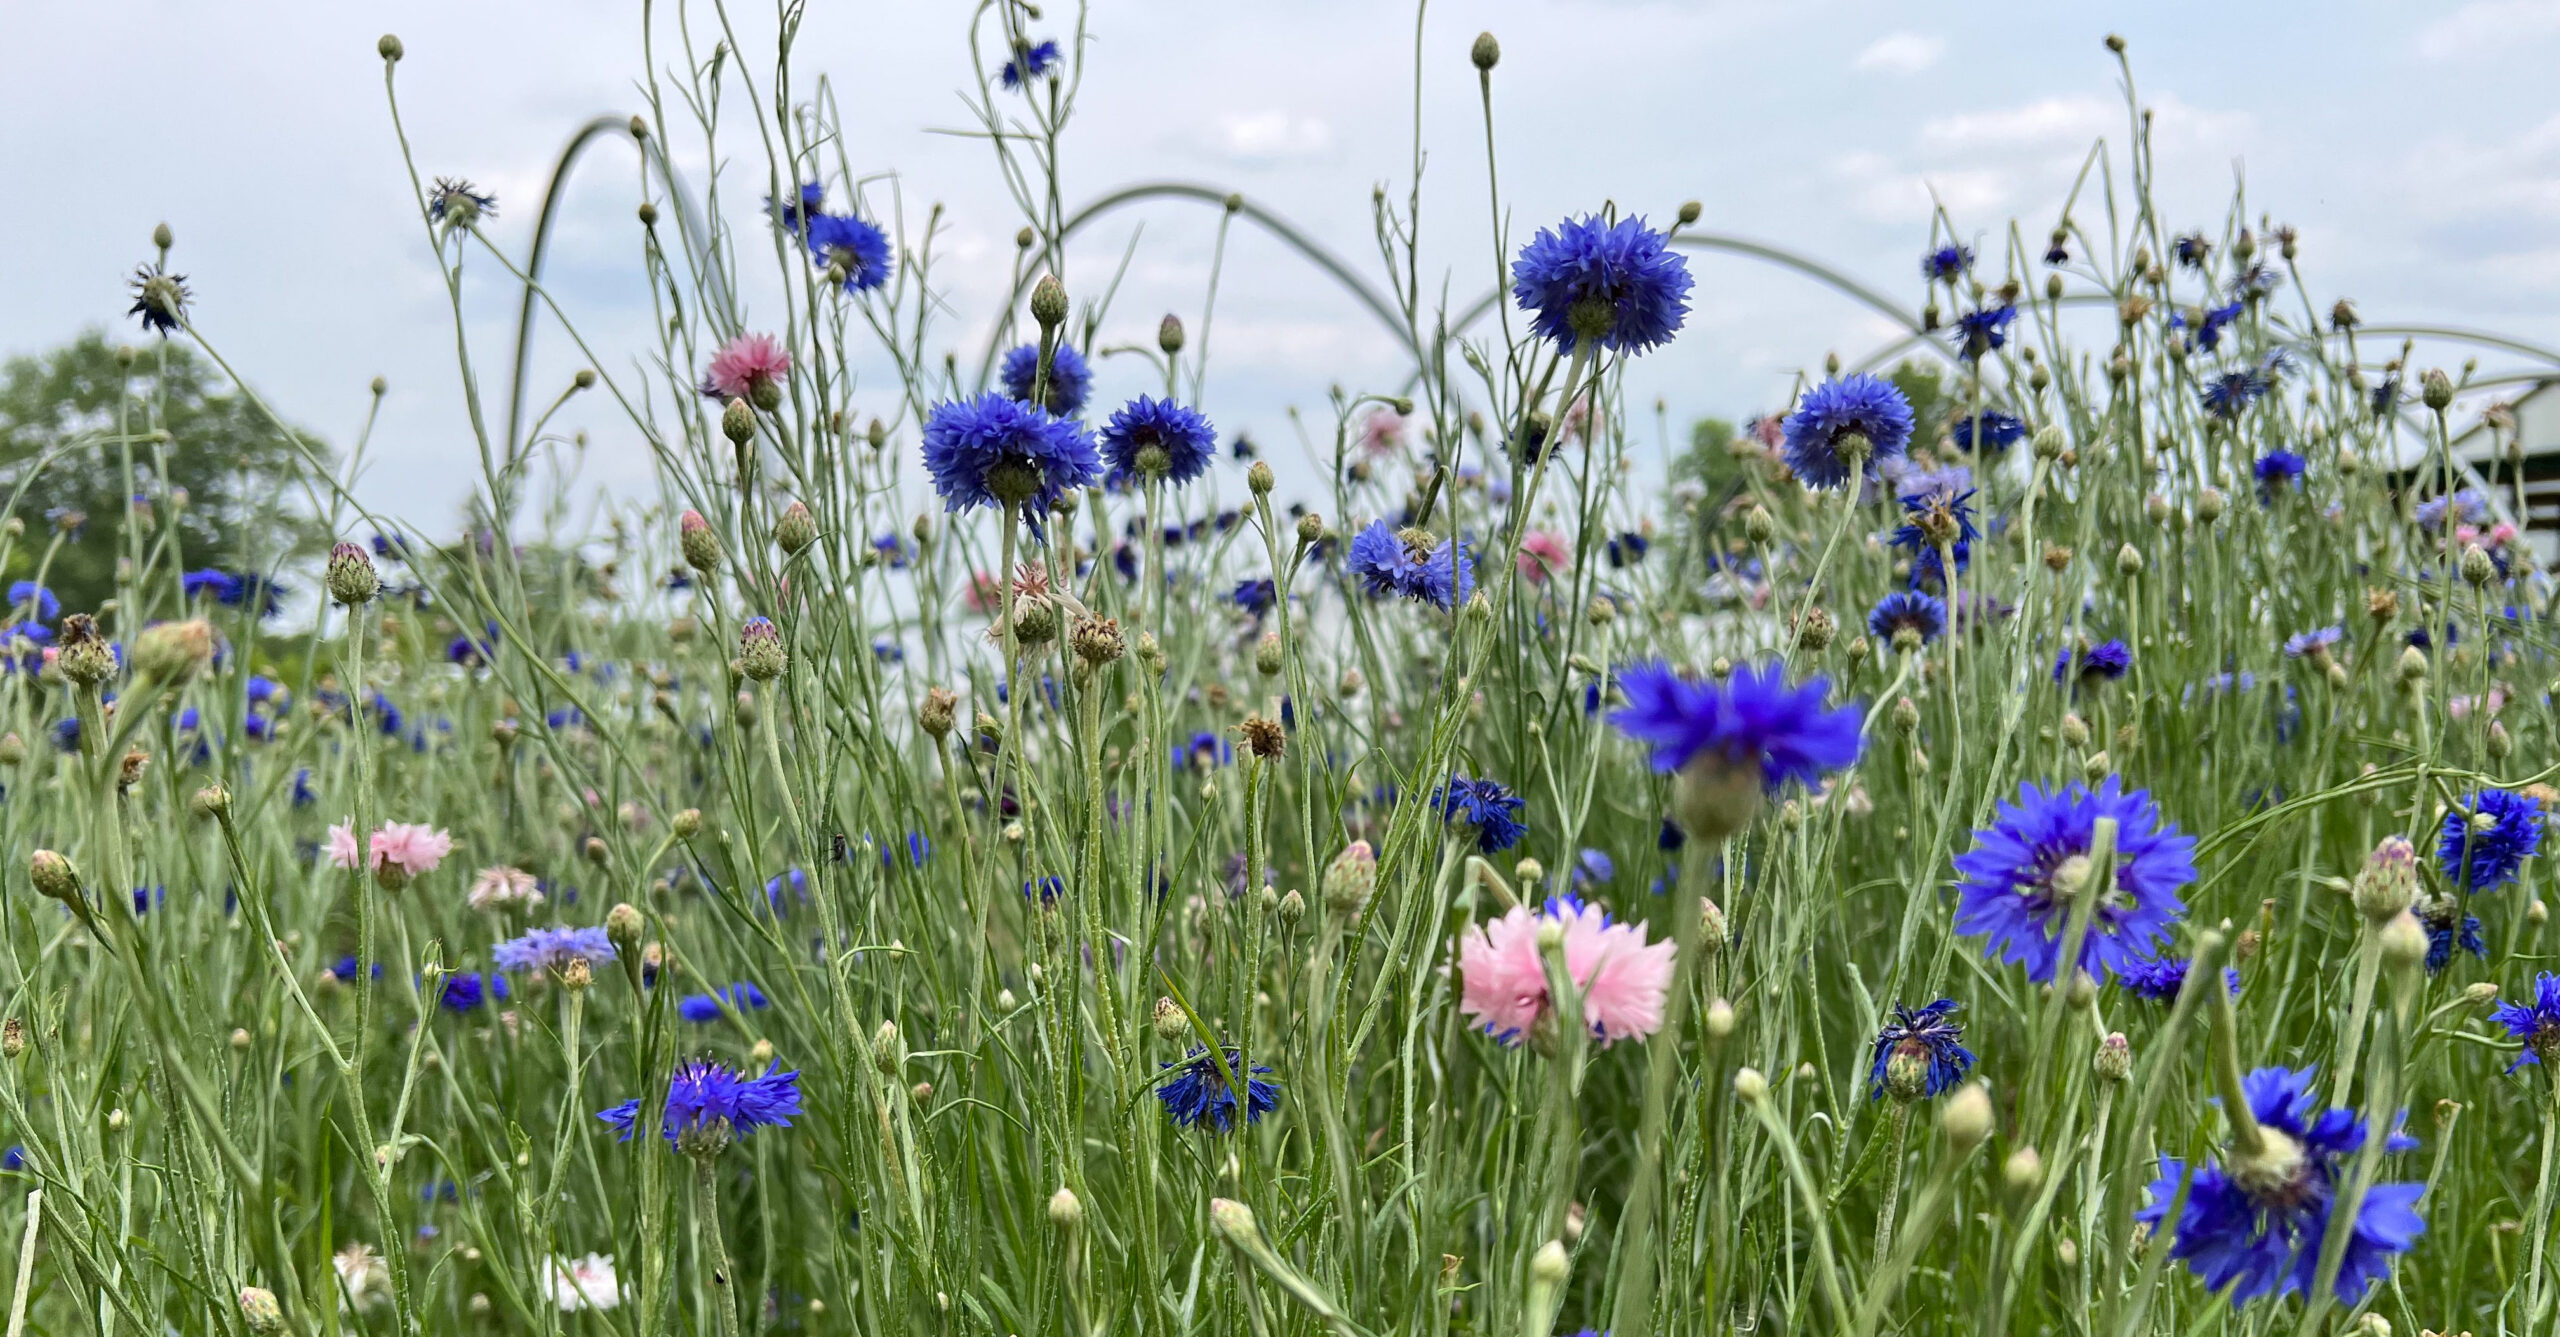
{"points": [[2477, 566], [701, 547], [622, 926], [1549, 1267], [1719, 1019], [1049, 302], [2210, 505], [738, 422], [2128, 561], [259, 1311], [2404, 942], [1259, 479], [1169, 334], [760, 649], [2436, 389], [1486, 53], [1967, 1118], [2388, 882], [1310, 529], [1064, 1211], [2023, 1172], [54, 876], [2413, 664], [1750, 1085], [210, 801], [173, 652], [686, 824], [351, 578], [1169, 1022], [1758, 525], [796, 529], [2114, 1059]]}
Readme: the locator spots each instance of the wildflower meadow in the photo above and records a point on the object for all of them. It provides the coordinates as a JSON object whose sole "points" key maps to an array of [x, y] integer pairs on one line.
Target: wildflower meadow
{"points": [[2042, 831]]}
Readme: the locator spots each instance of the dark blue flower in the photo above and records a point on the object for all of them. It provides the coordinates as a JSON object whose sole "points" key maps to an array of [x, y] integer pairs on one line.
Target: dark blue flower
{"points": [[2447, 928], [1751, 720], [35, 599], [1923, 615], [2107, 661], [159, 298], [14, 1159], [2209, 325], [1626, 549], [1199, 1096], [992, 451], [1486, 808], [1029, 62], [2025, 868], [1256, 596], [467, 991], [2278, 469], [792, 882], [1593, 868], [2229, 395], [1619, 285], [459, 202], [1934, 515], [2253, 1224], [552, 949], [707, 1104], [2484, 842], [345, 969], [854, 245], [1044, 892], [2191, 249], [1070, 380], [1994, 430], [1979, 332], [1857, 404], [2537, 1023], [705, 1007], [221, 586], [1174, 442], [1946, 264], [1386, 562], [1919, 1054], [2160, 978], [1205, 751]]}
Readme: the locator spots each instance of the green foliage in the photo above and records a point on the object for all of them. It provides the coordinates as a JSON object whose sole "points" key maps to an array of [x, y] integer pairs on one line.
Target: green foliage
{"points": [[60, 418], [1923, 381]]}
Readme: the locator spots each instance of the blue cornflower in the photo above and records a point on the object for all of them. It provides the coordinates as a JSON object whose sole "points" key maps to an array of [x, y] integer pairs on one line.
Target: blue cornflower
{"points": [[2160, 978], [221, 586], [1919, 1054], [456, 201], [1752, 720], [919, 849], [552, 949], [2537, 1024], [794, 881], [1256, 596], [2485, 841], [30, 595], [159, 298], [2107, 661], [1044, 892], [2209, 325], [2257, 281], [1866, 406], [2447, 928], [2229, 395], [66, 734], [2024, 869], [1410, 564], [1070, 379], [14, 1159], [1923, 616], [705, 1007], [992, 451], [1158, 438], [708, 1104], [1200, 1096], [1996, 431], [1979, 332], [1626, 549], [855, 245], [1593, 867], [1485, 807], [1029, 62], [344, 968], [1619, 285], [263, 689], [1205, 751], [466, 992], [2313, 644], [2253, 1224], [2278, 469], [2191, 250], [1946, 264], [1935, 515], [811, 199]]}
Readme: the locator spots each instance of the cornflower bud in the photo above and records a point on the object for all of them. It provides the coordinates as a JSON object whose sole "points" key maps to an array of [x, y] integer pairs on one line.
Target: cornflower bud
{"points": [[85, 658], [1169, 1022], [1049, 302], [2477, 566], [2435, 389], [1351, 879], [351, 578], [1169, 334], [2388, 882], [622, 926], [2114, 1060], [796, 529], [1064, 1211], [701, 547], [738, 422], [1486, 53], [259, 1311], [1967, 1118], [760, 649]]}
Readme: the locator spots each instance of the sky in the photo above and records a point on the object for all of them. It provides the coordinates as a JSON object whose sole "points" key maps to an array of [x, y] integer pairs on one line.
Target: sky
{"points": [[2415, 147]]}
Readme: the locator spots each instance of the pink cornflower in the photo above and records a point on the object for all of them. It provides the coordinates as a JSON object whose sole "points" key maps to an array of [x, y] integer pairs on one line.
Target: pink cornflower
{"points": [[402, 851], [500, 885], [745, 365], [1382, 432], [1623, 979], [1542, 555]]}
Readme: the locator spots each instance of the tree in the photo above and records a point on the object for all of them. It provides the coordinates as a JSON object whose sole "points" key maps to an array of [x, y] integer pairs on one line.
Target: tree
{"points": [[218, 492], [1924, 383]]}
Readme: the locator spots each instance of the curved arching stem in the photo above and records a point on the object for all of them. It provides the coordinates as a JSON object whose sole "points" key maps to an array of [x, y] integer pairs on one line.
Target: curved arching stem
{"points": [[1288, 235], [697, 236]]}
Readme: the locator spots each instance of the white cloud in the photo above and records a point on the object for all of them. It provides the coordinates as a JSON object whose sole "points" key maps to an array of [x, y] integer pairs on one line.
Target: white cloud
{"points": [[2478, 27], [2075, 122], [1272, 136], [1902, 53]]}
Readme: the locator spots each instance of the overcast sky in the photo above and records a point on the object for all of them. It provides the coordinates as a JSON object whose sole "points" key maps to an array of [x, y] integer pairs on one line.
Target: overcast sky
{"points": [[2416, 146]]}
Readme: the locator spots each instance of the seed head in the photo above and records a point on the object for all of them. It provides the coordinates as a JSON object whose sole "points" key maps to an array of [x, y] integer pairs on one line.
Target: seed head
{"points": [[1264, 738], [941, 707]]}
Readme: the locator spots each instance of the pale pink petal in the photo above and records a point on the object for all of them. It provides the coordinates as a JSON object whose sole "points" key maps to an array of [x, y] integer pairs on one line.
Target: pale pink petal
{"points": [[342, 846], [1503, 985]]}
